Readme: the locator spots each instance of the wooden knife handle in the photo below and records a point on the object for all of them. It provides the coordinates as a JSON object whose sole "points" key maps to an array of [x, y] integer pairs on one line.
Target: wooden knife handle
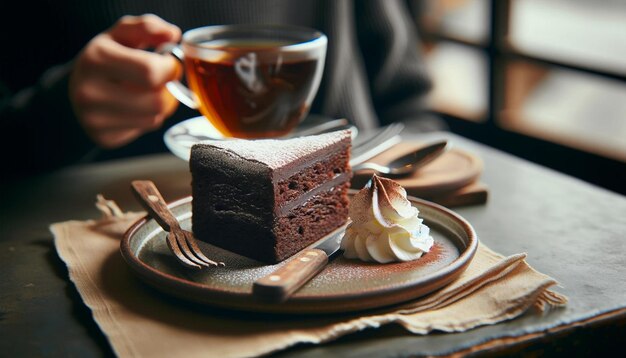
{"points": [[280, 284]]}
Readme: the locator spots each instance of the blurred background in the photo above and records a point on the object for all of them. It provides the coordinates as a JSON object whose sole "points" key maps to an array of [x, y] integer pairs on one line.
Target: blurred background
{"points": [[542, 79]]}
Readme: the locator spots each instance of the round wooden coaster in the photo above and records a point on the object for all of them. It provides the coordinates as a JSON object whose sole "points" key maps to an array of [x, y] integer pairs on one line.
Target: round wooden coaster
{"points": [[452, 170]]}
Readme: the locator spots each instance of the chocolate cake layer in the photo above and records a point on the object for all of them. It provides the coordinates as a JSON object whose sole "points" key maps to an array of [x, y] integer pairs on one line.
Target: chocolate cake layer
{"points": [[270, 209], [311, 221], [306, 179]]}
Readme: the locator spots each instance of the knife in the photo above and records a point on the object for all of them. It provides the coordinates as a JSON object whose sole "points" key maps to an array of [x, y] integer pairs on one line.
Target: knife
{"points": [[279, 285]]}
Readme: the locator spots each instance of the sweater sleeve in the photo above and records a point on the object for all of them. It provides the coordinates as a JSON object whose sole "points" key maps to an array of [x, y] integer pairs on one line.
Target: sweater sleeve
{"points": [[399, 80], [39, 129]]}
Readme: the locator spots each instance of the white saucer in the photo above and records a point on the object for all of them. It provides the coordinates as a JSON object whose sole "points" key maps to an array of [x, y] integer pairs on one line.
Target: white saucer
{"points": [[181, 136]]}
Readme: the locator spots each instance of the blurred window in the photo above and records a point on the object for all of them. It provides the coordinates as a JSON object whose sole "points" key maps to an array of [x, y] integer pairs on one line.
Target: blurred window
{"points": [[460, 75], [588, 33], [463, 20], [549, 69]]}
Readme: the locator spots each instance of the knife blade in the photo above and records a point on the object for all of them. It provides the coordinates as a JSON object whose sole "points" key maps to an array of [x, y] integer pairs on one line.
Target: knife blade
{"points": [[280, 284]]}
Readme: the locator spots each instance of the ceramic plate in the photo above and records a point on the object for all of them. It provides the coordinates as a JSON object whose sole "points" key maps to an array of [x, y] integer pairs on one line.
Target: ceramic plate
{"points": [[343, 286], [180, 137]]}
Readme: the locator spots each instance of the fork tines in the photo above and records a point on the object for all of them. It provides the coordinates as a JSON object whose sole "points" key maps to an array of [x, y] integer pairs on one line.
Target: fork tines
{"points": [[185, 248]]}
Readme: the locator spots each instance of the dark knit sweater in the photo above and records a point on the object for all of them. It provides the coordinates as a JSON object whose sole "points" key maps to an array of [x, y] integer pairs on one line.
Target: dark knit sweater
{"points": [[374, 73]]}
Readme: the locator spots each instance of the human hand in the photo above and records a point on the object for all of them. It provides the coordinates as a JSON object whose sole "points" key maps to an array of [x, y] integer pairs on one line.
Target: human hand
{"points": [[117, 89]]}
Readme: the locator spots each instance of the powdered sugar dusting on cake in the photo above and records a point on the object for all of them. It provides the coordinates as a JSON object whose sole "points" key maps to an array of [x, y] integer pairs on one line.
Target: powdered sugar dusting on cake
{"points": [[276, 153]]}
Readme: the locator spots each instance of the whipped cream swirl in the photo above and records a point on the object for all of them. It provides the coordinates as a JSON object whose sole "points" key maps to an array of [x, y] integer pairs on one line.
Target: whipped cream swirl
{"points": [[385, 226]]}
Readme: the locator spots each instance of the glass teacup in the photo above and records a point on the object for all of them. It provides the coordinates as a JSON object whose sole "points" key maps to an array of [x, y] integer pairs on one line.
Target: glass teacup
{"points": [[250, 81]]}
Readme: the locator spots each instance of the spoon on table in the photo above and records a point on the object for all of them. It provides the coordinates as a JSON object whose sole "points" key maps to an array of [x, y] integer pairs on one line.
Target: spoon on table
{"points": [[407, 164]]}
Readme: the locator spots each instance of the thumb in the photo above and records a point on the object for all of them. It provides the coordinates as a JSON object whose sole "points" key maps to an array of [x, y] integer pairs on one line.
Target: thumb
{"points": [[144, 31]]}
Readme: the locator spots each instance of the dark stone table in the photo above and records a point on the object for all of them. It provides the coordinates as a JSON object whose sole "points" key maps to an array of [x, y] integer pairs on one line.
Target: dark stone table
{"points": [[571, 230]]}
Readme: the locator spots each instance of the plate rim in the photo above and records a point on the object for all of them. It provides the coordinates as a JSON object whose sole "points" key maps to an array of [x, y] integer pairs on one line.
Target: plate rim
{"points": [[354, 301]]}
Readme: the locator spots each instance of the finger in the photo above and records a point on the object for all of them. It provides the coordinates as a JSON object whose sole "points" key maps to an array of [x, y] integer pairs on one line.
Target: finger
{"points": [[144, 31], [116, 138], [103, 121], [115, 97], [107, 58]]}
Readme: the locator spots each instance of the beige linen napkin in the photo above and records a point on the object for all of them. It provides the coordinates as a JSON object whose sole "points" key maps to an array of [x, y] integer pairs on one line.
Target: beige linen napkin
{"points": [[138, 322]]}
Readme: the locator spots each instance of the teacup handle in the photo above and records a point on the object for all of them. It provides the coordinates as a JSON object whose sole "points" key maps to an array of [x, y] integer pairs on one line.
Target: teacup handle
{"points": [[176, 88]]}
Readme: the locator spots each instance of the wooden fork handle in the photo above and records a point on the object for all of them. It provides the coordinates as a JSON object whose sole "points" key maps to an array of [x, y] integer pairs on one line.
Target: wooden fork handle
{"points": [[151, 199]]}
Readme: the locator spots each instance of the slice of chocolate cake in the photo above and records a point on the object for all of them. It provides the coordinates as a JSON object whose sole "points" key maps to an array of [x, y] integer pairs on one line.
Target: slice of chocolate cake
{"points": [[268, 199]]}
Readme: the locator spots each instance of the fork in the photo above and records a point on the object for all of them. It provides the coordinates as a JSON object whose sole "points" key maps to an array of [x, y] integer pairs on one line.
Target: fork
{"points": [[319, 128], [373, 143], [181, 242]]}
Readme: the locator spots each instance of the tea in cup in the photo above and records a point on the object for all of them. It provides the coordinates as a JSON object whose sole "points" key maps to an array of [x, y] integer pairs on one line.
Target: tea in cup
{"points": [[250, 81]]}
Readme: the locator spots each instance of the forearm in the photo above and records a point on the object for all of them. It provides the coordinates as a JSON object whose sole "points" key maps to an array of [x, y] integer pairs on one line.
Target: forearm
{"points": [[39, 129]]}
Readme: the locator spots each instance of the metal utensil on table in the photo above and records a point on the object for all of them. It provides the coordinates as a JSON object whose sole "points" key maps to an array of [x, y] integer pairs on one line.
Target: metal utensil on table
{"points": [[368, 144], [406, 164], [181, 242], [319, 128], [279, 285]]}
